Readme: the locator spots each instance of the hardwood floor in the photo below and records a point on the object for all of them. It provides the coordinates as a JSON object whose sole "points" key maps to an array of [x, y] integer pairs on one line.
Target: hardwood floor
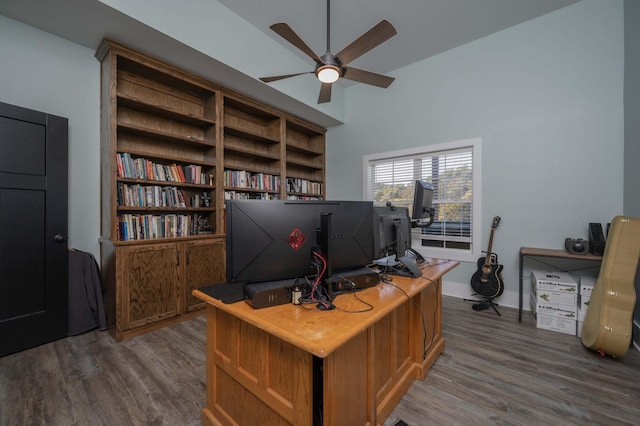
{"points": [[496, 371], [493, 371]]}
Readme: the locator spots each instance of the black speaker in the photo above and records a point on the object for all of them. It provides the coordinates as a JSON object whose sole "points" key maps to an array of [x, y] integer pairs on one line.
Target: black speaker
{"points": [[576, 246], [596, 239], [272, 293]]}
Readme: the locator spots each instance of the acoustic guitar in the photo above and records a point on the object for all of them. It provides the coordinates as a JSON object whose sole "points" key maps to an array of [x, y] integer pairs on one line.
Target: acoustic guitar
{"points": [[487, 280]]}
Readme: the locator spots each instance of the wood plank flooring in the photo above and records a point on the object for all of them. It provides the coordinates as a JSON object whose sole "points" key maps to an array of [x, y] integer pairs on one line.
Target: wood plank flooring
{"points": [[494, 371]]}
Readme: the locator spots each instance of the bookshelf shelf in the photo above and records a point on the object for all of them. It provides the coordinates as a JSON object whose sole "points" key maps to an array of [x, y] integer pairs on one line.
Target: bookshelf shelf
{"points": [[165, 209], [304, 141], [244, 189], [312, 164], [164, 135], [166, 183], [168, 158], [233, 148], [128, 101]]}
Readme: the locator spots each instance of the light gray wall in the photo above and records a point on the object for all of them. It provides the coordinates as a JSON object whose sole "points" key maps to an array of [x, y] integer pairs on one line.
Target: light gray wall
{"points": [[46, 73], [546, 99], [632, 108], [632, 131]]}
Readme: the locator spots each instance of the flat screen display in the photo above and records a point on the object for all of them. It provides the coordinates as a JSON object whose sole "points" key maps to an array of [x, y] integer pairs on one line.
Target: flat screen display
{"points": [[392, 231], [269, 240]]}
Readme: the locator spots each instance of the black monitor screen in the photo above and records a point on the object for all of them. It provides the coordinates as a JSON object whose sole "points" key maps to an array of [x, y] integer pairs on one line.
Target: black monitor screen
{"points": [[422, 199], [269, 240]]}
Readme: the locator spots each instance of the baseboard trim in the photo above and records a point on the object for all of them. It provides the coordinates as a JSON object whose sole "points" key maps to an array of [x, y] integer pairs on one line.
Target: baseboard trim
{"points": [[508, 298]]}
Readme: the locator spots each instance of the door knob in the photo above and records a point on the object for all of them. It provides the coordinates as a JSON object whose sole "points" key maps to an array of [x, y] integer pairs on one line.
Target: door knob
{"points": [[58, 238]]}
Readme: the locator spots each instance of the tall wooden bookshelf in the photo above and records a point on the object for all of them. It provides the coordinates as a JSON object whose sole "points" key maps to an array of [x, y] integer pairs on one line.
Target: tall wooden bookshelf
{"points": [[174, 146]]}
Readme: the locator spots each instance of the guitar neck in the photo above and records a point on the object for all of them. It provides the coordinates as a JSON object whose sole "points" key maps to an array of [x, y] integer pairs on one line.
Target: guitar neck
{"points": [[487, 260]]}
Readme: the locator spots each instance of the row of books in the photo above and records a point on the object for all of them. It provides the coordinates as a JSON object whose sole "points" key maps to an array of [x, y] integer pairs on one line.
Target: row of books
{"points": [[239, 195], [250, 180], [142, 168], [146, 227], [304, 186], [151, 196], [303, 197]]}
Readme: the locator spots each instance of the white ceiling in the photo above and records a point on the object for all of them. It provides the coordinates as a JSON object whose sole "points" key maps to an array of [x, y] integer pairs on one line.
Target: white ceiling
{"points": [[425, 27]]}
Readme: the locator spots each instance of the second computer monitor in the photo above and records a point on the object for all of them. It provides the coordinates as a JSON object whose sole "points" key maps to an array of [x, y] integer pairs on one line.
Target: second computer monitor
{"points": [[392, 231]]}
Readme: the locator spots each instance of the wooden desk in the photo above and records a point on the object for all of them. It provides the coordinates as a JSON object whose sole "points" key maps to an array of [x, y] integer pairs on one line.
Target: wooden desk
{"points": [[538, 252], [287, 365]]}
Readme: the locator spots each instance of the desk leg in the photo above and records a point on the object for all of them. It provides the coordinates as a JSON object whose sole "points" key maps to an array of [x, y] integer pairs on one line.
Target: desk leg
{"points": [[520, 290]]}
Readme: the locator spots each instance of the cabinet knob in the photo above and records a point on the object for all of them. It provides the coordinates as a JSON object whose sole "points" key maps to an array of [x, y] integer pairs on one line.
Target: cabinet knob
{"points": [[59, 238]]}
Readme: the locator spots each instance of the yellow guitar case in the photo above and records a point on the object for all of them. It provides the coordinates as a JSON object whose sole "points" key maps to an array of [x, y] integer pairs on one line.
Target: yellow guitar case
{"points": [[608, 322]]}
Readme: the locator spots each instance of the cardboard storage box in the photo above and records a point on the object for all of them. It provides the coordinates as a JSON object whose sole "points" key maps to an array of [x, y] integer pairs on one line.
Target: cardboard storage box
{"points": [[555, 323], [584, 298], [553, 281], [560, 318], [582, 311]]}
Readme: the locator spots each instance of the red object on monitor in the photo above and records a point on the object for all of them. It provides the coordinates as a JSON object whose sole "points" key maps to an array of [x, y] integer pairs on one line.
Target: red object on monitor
{"points": [[296, 239]]}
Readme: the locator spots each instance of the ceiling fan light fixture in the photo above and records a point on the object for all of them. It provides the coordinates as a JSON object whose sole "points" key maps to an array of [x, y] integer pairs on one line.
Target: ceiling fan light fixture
{"points": [[328, 73], [330, 68]]}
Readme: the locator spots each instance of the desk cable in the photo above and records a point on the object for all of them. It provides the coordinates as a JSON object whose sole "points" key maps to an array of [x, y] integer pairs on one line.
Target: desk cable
{"points": [[388, 280]]}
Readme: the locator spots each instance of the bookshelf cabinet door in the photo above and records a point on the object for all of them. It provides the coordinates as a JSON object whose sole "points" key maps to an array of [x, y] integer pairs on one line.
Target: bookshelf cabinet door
{"points": [[149, 290], [204, 265]]}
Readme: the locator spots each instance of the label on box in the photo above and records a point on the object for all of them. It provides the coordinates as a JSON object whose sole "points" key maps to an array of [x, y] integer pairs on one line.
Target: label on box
{"points": [[586, 290], [555, 281], [556, 297], [557, 310], [559, 324]]}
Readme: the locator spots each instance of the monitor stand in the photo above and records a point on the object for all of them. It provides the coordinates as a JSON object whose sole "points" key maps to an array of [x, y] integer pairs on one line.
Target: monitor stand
{"points": [[388, 261], [406, 265], [411, 265]]}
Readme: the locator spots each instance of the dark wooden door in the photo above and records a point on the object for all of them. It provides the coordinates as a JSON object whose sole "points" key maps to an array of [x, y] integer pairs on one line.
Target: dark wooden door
{"points": [[33, 228]]}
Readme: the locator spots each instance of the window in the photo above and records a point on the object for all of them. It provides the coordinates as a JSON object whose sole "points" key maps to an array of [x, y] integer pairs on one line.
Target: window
{"points": [[454, 171]]}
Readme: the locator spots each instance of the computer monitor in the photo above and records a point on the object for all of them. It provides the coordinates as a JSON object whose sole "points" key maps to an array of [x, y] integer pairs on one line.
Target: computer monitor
{"points": [[392, 239], [272, 240], [392, 230], [422, 204]]}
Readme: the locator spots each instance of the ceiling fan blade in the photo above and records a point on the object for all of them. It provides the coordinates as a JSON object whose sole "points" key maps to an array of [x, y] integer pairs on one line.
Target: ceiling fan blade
{"points": [[285, 31], [367, 77], [281, 77], [325, 93], [367, 41]]}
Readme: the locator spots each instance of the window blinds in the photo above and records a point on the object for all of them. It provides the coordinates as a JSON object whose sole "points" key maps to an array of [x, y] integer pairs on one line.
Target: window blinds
{"points": [[451, 174]]}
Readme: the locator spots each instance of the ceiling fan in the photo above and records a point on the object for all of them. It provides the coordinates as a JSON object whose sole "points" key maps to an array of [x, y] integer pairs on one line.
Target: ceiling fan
{"points": [[329, 67]]}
